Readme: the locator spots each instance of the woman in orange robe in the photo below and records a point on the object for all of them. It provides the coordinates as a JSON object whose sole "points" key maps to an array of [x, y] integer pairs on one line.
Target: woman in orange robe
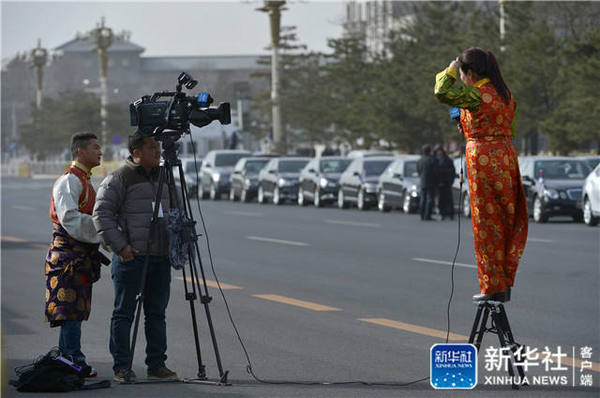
{"points": [[499, 211]]}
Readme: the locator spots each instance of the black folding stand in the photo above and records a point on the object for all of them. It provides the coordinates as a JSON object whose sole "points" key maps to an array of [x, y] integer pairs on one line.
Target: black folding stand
{"points": [[500, 326]]}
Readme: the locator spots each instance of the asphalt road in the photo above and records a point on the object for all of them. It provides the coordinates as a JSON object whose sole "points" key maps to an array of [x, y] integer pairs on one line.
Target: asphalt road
{"points": [[320, 295]]}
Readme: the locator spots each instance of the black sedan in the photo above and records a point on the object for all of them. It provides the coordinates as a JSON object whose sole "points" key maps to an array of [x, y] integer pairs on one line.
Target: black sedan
{"points": [[319, 180], [399, 185], [553, 186], [279, 179], [358, 184], [243, 183]]}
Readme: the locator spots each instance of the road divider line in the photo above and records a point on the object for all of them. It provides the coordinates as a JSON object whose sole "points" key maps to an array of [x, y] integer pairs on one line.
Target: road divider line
{"points": [[415, 328], [353, 223], [298, 303], [271, 240], [429, 260], [13, 239], [209, 283], [243, 213], [576, 364], [539, 240]]}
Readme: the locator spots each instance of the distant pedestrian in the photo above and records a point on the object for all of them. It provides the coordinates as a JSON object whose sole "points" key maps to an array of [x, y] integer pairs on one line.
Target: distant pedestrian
{"points": [[445, 176], [73, 260], [427, 172]]}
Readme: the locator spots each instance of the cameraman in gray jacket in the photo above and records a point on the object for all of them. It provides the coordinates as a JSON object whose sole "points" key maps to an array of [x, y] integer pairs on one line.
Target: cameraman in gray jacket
{"points": [[122, 216]]}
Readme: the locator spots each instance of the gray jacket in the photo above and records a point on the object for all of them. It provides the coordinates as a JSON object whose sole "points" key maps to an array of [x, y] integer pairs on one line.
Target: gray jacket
{"points": [[123, 210]]}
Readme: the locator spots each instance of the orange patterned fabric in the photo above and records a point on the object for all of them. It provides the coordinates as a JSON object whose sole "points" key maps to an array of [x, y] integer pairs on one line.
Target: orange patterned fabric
{"points": [[498, 207]]}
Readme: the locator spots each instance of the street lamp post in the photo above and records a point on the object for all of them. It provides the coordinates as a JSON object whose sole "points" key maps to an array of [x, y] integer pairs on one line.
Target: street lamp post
{"points": [[274, 8], [39, 57], [502, 25], [103, 37]]}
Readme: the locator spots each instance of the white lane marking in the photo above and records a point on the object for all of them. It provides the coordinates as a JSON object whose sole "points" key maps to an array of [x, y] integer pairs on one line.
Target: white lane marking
{"points": [[353, 223], [428, 260], [283, 242], [539, 240], [27, 208], [243, 213]]}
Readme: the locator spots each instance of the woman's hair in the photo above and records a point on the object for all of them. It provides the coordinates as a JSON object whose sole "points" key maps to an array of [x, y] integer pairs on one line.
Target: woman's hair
{"points": [[484, 64]]}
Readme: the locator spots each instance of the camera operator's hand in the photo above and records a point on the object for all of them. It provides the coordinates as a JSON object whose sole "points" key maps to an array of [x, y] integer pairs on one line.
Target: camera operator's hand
{"points": [[128, 253], [455, 63]]}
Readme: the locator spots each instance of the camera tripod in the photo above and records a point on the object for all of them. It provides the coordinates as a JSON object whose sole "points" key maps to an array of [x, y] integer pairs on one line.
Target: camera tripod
{"points": [[186, 235]]}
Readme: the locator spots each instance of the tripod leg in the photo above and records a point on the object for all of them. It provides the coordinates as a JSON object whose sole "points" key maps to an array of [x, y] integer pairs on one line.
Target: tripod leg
{"points": [[205, 300], [499, 322], [190, 297], [483, 327], [204, 297], [475, 323], [511, 341]]}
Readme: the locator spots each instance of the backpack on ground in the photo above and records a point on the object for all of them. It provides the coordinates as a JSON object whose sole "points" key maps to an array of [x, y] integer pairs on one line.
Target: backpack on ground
{"points": [[54, 373]]}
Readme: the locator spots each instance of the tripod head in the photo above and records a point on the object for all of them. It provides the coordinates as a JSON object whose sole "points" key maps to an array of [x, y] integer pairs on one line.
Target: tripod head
{"points": [[169, 140]]}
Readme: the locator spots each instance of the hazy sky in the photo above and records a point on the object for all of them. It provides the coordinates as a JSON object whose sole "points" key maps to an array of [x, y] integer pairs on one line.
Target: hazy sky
{"points": [[168, 28]]}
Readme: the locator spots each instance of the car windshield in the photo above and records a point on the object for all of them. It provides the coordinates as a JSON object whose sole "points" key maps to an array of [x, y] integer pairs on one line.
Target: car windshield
{"points": [[593, 162], [410, 169], [228, 159], [334, 165], [254, 166], [291, 166], [375, 167], [190, 168], [561, 169]]}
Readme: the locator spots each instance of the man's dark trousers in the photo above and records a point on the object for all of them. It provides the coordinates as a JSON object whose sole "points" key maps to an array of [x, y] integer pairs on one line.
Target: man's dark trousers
{"points": [[426, 202], [126, 279], [445, 201]]}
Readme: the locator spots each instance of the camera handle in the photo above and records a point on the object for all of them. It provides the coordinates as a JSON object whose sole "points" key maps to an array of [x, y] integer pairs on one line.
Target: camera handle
{"points": [[182, 203]]}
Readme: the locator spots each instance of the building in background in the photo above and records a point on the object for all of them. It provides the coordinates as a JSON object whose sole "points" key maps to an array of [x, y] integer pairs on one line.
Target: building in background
{"points": [[74, 67], [375, 20]]}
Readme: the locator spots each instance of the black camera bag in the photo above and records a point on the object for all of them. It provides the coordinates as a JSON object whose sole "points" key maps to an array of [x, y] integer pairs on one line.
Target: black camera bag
{"points": [[52, 373]]}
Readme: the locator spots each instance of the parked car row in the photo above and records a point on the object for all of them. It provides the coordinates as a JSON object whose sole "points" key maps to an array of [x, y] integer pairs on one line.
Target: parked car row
{"points": [[553, 185]]}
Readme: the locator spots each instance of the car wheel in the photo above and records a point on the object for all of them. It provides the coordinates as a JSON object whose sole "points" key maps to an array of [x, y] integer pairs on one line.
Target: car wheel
{"points": [[276, 197], [539, 215], [244, 196], [341, 202], [360, 201], [381, 203], [588, 216], [301, 201], [214, 193], [317, 198], [232, 194], [466, 206], [261, 195]]}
